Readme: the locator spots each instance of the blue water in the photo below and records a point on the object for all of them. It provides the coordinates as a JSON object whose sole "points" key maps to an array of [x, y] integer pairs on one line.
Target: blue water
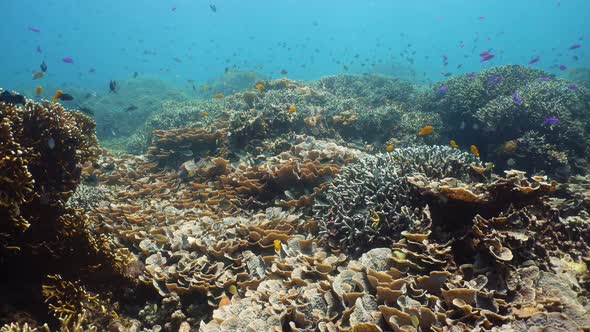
{"points": [[307, 38]]}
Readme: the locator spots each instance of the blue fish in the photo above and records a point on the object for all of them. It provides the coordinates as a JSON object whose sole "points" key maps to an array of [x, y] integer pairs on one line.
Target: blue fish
{"points": [[471, 75], [551, 120], [516, 98], [572, 87], [443, 89]]}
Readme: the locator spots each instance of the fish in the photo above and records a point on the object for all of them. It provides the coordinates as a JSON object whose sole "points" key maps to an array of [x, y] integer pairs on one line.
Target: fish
{"points": [[65, 97], [545, 79], [56, 95], [113, 87], [68, 60], [572, 87], [34, 29], [551, 120], [38, 91], [218, 95], [173, 8], [375, 218], [425, 130], [292, 109], [471, 75], [574, 46], [131, 108], [213, 8], [37, 74], [51, 143], [233, 290], [474, 150], [453, 144], [389, 147], [562, 67], [224, 301], [39, 50], [277, 245], [534, 60], [443, 89], [284, 72], [516, 98], [43, 66], [12, 98], [259, 86], [496, 79], [135, 74], [487, 57]]}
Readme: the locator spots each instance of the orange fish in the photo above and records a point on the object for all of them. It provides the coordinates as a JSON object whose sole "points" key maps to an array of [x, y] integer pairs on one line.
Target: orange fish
{"points": [[277, 245], [218, 95], [292, 109], [224, 301], [38, 91], [474, 150], [56, 95], [259, 86], [425, 130], [454, 144], [389, 147]]}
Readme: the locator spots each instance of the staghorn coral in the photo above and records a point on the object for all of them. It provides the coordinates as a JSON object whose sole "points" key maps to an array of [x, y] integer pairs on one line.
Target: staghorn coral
{"points": [[370, 203]]}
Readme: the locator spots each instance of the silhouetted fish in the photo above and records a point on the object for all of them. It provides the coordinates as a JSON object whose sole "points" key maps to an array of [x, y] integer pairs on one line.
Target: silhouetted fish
{"points": [[213, 8], [113, 86], [43, 66], [12, 98], [65, 97]]}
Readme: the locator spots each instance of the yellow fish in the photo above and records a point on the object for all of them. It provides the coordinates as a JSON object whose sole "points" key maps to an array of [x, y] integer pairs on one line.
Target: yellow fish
{"points": [[56, 95], [292, 109], [389, 147], [425, 130], [375, 218], [259, 86], [277, 245], [204, 113], [38, 91], [454, 144], [233, 290], [474, 150]]}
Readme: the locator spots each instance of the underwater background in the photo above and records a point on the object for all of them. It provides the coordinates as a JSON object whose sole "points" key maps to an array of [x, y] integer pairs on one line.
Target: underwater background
{"points": [[226, 165]]}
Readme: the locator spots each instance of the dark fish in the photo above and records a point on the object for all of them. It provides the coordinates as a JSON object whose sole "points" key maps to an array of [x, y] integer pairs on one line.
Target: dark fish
{"points": [[486, 57], [131, 108], [39, 50], [65, 97], [43, 66], [34, 29], [213, 8], [562, 67], [572, 87], [534, 60], [284, 72], [575, 46], [11, 98], [113, 86], [135, 74]]}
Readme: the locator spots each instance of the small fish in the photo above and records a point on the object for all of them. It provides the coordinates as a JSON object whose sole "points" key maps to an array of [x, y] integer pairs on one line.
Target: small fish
{"points": [[534, 60], [259, 86], [37, 74], [471, 75], [135, 74], [68, 60], [277, 245], [12, 98], [292, 109], [56, 95], [213, 8], [389, 148], [425, 130], [233, 290], [574, 46], [481, 18], [443, 89], [551, 120], [113, 87], [34, 29], [284, 72], [39, 50], [43, 66], [51, 143], [204, 113], [218, 95], [572, 87], [131, 108], [487, 57], [545, 79], [174, 8], [516, 98], [38, 91], [454, 144], [562, 67], [375, 218], [474, 150], [224, 301], [65, 97]]}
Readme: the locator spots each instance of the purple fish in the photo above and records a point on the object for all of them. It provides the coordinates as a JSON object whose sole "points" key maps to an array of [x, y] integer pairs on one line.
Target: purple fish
{"points": [[39, 50], [484, 53], [487, 57], [496, 79], [574, 46], [516, 98], [572, 87], [551, 120], [562, 67], [34, 29], [443, 89], [471, 75], [545, 79], [68, 60], [534, 60]]}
